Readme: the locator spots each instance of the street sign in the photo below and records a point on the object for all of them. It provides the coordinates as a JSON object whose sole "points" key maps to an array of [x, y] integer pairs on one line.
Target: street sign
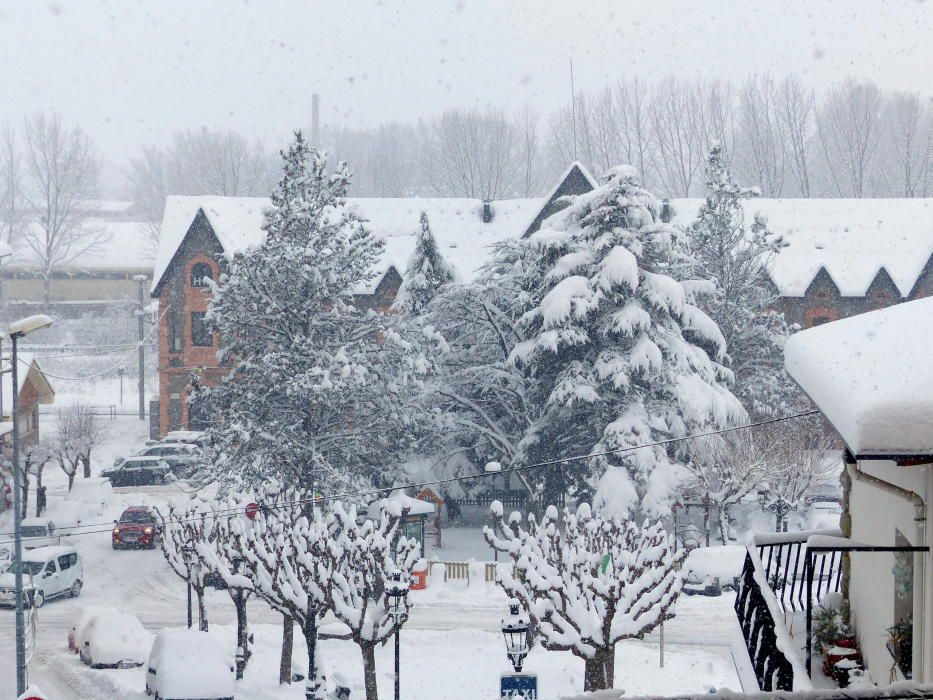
{"points": [[518, 685], [251, 510]]}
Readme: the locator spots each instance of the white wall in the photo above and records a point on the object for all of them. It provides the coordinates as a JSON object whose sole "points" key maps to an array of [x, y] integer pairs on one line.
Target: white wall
{"points": [[876, 514]]}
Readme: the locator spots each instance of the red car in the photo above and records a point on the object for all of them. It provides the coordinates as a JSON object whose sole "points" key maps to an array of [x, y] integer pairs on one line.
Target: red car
{"points": [[137, 527]]}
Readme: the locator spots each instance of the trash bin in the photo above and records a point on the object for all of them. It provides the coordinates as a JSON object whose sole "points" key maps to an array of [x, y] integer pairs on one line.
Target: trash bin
{"points": [[419, 580]]}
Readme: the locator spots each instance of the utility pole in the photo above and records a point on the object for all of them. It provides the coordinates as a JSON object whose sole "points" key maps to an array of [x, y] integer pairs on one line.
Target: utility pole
{"points": [[141, 327]]}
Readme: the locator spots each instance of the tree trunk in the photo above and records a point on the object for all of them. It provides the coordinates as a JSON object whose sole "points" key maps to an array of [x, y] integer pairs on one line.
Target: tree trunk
{"points": [[288, 637], [71, 480], [202, 610], [242, 633], [86, 461], [40, 505], [24, 510], [600, 670], [723, 530], [369, 670], [314, 688]]}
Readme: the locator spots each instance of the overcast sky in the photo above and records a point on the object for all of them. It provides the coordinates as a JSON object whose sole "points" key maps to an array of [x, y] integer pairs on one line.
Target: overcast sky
{"points": [[133, 72]]}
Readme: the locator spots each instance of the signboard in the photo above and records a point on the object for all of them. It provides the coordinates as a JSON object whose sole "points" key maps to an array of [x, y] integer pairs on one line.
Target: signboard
{"points": [[252, 509], [518, 685]]}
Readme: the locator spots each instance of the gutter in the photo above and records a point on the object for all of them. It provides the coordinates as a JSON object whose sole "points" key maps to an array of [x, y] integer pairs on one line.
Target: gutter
{"points": [[920, 513]]}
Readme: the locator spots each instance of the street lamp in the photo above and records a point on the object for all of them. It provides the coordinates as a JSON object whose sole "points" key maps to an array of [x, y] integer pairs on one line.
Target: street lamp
{"points": [[187, 555], [397, 605], [20, 329], [515, 631], [778, 506], [493, 468]]}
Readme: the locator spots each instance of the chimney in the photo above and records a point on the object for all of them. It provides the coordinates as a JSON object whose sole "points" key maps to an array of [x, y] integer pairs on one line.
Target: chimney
{"points": [[666, 211], [487, 211], [315, 120]]}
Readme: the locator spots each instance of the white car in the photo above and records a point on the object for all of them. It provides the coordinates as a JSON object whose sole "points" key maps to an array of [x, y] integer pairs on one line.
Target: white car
{"points": [[111, 639], [190, 665], [38, 532], [48, 572]]}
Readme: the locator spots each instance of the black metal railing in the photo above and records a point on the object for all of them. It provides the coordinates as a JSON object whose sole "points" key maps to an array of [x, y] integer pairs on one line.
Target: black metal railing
{"points": [[900, 691], [785, 566], [773, 669]]}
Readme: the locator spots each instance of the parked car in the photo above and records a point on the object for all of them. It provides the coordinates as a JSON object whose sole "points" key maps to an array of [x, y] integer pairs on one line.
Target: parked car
{"points": [[822, 512], [113, 640], [184, 458], [49, 572], [137, 527], [38, 532], [190, 437], [139, 471], [85, 615], [696, 584], [190, 665]]}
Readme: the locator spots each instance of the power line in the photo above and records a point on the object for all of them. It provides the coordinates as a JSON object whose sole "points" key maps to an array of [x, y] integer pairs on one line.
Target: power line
{"points": [[437, 482]]}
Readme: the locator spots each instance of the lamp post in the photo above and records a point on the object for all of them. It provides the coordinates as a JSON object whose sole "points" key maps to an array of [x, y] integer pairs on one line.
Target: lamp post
{"points": [[778, 506], [187, 555], [397, 604], [493, 468], [242, 647], [515, 631], [20, 329]]}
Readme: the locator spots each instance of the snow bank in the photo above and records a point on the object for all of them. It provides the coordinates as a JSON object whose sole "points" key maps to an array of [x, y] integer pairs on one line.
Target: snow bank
{"points": [[872, 377], [724, 562]]}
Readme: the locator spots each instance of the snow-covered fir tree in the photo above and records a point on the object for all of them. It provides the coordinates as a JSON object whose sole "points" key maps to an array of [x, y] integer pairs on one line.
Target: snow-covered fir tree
{"points": [[427, 271], [734, 254], [588, 582], [316, 393], [616, 353]]}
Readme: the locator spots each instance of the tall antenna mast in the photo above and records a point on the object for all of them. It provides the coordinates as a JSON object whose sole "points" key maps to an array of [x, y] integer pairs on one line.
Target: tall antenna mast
{"points": [[573, 112]]}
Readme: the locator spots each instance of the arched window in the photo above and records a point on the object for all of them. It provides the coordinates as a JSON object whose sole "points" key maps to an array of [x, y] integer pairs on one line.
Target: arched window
{"points": [[200, 274]]}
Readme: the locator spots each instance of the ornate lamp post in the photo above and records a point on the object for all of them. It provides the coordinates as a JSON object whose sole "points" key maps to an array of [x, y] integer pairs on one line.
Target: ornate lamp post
{"points": [[515, 631], [778, 506], [397, 606]]}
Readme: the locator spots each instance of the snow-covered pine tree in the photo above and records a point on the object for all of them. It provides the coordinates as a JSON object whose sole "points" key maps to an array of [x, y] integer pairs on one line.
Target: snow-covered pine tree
{"points": [[427, 271], [589, 583], [315, 392], [614, 347], [735, 255]]}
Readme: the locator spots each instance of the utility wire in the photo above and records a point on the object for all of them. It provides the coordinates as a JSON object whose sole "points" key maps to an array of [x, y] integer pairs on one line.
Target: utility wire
{"points": [[527, 467]]}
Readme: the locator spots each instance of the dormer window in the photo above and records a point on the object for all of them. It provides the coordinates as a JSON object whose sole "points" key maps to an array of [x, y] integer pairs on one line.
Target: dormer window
{"points": [[201, 275]]}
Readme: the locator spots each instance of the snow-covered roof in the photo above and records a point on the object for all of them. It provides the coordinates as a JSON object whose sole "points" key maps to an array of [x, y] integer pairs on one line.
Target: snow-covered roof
{"points": [[403, 502], [27, 364], [852, 239], [872, 376], [456, 223], [124, 245]]}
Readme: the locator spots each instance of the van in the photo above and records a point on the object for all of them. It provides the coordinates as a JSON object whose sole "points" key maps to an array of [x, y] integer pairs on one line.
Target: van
{"points": [[48, 572], [38, 532]]}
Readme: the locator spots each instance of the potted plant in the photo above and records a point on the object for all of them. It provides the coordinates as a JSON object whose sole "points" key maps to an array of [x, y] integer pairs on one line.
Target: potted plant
{"points": [[900, 646]]}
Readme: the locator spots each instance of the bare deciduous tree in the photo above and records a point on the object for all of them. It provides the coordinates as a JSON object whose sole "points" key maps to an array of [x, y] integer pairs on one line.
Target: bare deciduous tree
{"points": [[761, 154], [908, 146], [61, 168], [11, 212], [796, 120], [199, 162], [680, 134], [471, 154], [849, 129], [78, 434]]}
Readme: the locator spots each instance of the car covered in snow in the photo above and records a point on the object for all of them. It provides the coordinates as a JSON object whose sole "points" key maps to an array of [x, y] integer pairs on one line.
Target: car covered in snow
{"points": [[189, 437], [85, 614], [822, 512], [38, 532], [111, 639], [48, 572], [137, 527], [187, 664], [139, 471], [184, 458]]}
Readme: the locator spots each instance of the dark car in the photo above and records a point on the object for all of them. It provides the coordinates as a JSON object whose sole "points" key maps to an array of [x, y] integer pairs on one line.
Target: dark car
{"points": [[184, 458], [138, 471], [137, 527]]}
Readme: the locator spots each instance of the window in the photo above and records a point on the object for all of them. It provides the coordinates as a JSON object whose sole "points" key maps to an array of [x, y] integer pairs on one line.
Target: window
{"points": [[201, 273], [820, 320], [201, 335], [175, 333], [49, 568], [64, 562]]}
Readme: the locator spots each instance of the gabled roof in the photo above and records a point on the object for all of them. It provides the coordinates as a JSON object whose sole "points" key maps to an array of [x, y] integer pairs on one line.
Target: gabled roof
{"points": [[576, 179], [456, 223], [872, 376], [27, 369]]}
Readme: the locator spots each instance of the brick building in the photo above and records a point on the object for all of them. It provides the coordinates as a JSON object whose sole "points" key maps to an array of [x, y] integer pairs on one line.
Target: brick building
{"points": [[844, 257], [34, 390]]}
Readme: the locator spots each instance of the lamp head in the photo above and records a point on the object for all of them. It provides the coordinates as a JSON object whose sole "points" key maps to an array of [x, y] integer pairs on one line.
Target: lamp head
{"points": [[27, 325]]}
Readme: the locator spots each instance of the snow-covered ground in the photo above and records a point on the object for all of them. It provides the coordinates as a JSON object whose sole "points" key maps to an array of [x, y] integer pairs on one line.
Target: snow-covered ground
{"points": [[451, 647]]}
